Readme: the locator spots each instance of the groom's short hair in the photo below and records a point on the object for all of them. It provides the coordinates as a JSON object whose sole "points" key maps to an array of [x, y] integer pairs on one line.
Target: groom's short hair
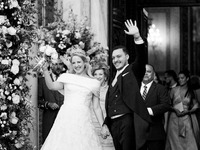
{"points": [[121, 47]]}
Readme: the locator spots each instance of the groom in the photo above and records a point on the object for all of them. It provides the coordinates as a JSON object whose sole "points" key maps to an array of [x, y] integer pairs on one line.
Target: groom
{"points": [[127, 116]]}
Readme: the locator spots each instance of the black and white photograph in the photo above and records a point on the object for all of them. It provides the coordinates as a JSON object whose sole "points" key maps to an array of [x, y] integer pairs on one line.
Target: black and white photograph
{"points": [[99, 74]]}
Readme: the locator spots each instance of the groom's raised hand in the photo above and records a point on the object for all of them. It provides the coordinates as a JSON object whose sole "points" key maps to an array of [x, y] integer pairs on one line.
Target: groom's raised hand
{"points": [[132, 29]]}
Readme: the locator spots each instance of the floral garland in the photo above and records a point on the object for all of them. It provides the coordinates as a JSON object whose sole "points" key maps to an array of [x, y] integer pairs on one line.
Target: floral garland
{"points": [[60, 38], [16, 34]]}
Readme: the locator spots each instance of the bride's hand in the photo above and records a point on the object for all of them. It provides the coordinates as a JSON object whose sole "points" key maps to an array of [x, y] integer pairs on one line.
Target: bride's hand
{"points": [[45, 66], [104, 132], [66, 60]]}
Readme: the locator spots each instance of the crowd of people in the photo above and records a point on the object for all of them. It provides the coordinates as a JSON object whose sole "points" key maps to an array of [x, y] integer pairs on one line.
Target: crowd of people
{"points": [[135, 111]]}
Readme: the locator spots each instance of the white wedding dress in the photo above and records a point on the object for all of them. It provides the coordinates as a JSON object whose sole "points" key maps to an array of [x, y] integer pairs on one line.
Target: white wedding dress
{"points": [[73, 128]]}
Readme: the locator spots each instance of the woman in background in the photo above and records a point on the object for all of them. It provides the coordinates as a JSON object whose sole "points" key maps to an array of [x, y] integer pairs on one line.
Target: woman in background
{"points": [[157, 78], [182, 129], [101, 72]]}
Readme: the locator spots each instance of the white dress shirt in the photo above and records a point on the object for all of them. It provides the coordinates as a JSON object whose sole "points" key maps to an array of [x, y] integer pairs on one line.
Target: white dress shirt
{"points": [[141, 92], [117, 74], [113, 83]]}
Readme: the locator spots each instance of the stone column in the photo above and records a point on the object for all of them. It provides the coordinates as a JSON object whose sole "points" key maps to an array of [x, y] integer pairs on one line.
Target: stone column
{"points": [[34, 135], [32, 83], [99, 21], [97, 13]]}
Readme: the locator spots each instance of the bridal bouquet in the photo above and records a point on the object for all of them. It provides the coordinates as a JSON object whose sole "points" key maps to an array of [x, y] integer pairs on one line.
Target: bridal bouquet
{"points": [[46, 53], [58, 38]]}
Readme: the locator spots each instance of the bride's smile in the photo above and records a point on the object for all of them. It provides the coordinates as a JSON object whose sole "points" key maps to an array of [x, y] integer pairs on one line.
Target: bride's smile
{"points": [[78, 65]]}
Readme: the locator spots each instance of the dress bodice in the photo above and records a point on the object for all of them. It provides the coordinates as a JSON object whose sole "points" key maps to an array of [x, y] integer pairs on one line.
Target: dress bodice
{"points": [[177, 99], [73, 128], [78, 90]]}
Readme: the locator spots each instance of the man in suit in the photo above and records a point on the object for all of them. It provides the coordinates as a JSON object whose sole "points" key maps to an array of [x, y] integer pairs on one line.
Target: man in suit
{"points": [[127, 116], [157, 101], [49, 101]]}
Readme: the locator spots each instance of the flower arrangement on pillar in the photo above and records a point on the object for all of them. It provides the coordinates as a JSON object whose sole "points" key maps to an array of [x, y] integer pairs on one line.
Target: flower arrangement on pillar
{"points": [[16, 34], [62, 37]]}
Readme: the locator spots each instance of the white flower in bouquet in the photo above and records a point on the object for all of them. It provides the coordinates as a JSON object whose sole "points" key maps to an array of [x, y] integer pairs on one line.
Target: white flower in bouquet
{"points": [[14, 120], [54, 57], [15, 98], [14, 69], [18, 145], [4, 30], [4, 107], [17, 81], [77, 35], [13, 4], [42, 48], [15, 62], [58, 34], [20, 87], [2, 80], [4, 115], [5, 62], [7, 93], [49, 50], [62, 45], [20, 78], [15, 66], [11, 31], [9, 97], [66, 32], [9, 44]]}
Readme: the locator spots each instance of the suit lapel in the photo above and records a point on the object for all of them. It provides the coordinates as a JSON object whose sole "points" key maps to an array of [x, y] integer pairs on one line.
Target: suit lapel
{"points": [[119, 79], [151, 90], [107, 95], [119, 82]]}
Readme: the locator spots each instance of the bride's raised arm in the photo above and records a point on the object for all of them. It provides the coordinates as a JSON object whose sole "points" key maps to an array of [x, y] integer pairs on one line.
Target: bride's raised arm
{"points": [[50, 84]]}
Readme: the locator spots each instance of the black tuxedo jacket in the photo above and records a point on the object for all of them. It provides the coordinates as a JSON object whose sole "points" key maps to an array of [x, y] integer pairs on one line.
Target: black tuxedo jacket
{"points": [[158, 100], [45, 95], [129, 85]]}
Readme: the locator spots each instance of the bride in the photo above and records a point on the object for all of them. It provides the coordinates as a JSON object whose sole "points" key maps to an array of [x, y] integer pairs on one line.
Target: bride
{"points": [[73, 128]]}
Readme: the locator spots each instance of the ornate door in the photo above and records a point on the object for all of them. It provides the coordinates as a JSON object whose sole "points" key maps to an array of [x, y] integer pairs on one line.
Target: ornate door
{"points": [[119, 12]]}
